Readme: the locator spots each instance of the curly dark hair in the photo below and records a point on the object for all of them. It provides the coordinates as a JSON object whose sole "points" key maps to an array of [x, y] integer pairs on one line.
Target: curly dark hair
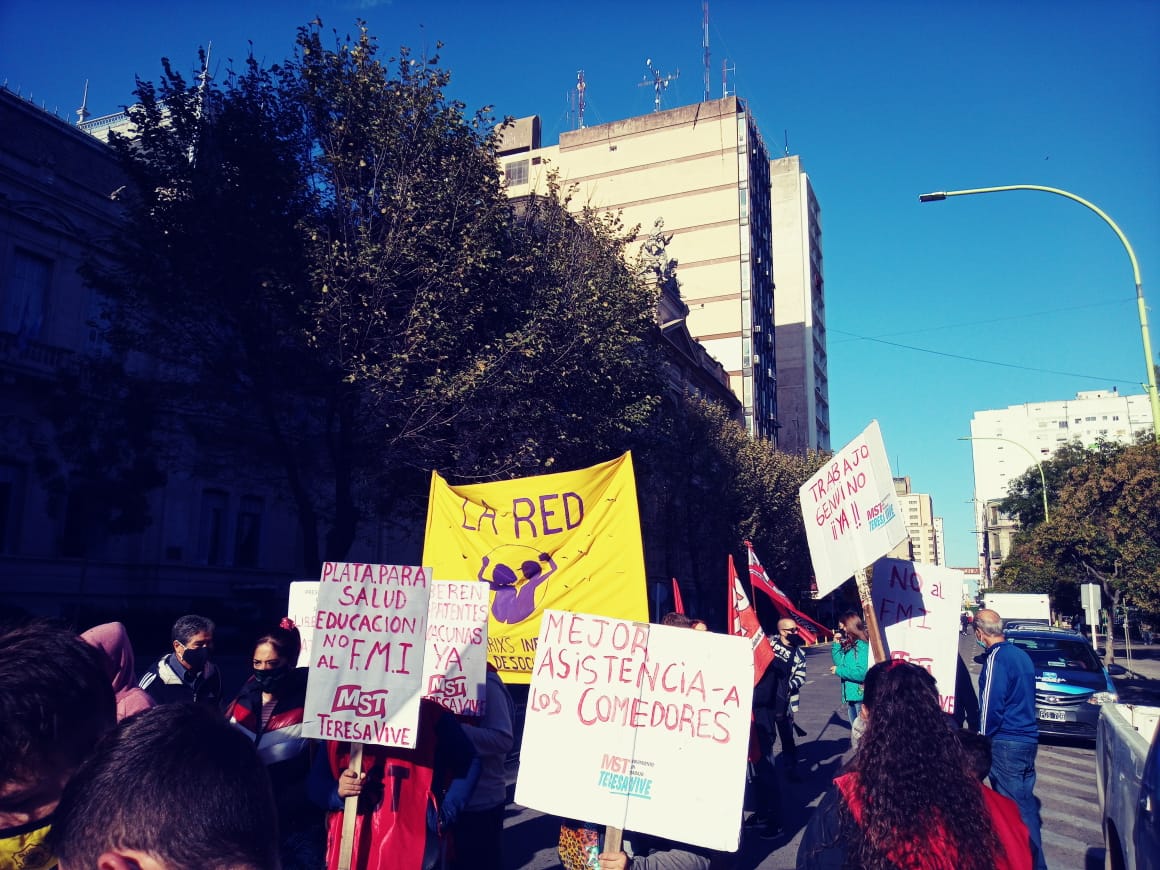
{"points": [[912, 778]]}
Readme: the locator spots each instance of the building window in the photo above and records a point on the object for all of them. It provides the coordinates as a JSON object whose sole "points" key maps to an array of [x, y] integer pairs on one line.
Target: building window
{"points": [[516, 172], [212, 543], [247, 541], [26, 294], [1062, 424]]}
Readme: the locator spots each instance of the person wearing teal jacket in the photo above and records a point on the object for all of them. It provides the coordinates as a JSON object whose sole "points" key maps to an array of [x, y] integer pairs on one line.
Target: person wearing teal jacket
{"points": [[851, 654]]}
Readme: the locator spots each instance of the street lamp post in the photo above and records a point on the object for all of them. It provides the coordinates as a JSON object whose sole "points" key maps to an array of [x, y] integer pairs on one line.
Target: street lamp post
{"points": [[1153, 396], [1034, 458]]}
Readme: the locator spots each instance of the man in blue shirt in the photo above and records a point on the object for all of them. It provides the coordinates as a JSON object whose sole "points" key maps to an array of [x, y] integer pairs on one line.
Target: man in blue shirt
{"points": [[1007, 717]]}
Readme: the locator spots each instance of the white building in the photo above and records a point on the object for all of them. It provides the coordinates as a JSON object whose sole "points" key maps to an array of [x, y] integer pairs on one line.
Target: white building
{"points": [[1008, 441], [918, 515], [705, 172], [799, 309]]}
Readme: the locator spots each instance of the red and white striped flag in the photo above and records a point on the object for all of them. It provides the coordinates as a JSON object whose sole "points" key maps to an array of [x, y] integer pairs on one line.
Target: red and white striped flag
{"points": [[744, 623], [758, 579]]}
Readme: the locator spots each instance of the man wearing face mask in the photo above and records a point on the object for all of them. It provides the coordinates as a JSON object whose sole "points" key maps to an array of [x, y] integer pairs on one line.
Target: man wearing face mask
{"points": [[1007, 717], [269, 711], [55, 703], [186, 674]]}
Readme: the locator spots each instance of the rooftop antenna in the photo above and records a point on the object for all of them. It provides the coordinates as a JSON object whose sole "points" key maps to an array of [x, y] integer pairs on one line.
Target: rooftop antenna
{"points": [[83, 112], [786, 143], [725, 70], [659, 82], [581, 87], [705, 42]]}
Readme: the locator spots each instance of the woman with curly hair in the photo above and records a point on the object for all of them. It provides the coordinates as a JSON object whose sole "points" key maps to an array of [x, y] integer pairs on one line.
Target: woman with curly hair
{"points": [[908, 801]]}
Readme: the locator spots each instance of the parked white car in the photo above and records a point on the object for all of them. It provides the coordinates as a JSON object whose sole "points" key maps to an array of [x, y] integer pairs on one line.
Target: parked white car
{"points": [[1128, 785]]}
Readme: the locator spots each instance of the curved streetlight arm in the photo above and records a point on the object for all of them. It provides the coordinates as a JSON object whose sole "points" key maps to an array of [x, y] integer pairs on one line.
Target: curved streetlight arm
{"points": [[1034, 458], [1142, 309]]}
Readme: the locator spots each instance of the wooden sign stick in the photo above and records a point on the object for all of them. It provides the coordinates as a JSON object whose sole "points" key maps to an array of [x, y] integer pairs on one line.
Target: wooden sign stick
{"points": [[350, 813], [869, 616], [613, 838]]}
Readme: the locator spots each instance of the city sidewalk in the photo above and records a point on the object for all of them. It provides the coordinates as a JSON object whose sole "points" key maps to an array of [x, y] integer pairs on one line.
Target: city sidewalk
{"points": [[1141, 685]]}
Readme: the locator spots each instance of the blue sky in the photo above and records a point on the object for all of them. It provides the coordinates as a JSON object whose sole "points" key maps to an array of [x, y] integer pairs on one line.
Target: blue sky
{"points": [[883, 101]]}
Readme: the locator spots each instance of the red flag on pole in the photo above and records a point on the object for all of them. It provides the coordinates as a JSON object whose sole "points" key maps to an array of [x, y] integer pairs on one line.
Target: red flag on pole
{"points": [[743, 622], [678, 604], [758, 579]]}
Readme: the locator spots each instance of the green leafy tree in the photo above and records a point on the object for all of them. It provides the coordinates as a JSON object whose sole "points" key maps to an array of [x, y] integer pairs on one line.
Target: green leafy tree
{"points": [[321, 271], [714, 486], [1105, 529], [206, 289]]}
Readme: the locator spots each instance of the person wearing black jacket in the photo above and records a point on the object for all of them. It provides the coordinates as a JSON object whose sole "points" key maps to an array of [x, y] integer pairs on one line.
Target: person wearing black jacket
{"points": [[774, 700]]}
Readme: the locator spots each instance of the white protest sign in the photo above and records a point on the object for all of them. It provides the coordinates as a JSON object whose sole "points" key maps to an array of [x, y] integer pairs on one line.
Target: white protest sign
{"points": [[917, 606], [851, 511], [302, 607], [455, 665], [641, 727], [366, 668]]}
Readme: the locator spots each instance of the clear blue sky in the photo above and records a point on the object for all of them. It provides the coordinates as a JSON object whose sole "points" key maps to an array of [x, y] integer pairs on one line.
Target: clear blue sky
{"points": [[883, 101]]}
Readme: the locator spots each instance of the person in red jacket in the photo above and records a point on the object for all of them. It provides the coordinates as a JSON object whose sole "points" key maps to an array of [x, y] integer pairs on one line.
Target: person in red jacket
{"points": [[909, 801], [409, 799]]}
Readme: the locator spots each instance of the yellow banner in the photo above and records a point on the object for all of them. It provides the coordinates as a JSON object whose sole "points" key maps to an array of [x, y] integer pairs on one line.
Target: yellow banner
{"points": [[567, 541]]}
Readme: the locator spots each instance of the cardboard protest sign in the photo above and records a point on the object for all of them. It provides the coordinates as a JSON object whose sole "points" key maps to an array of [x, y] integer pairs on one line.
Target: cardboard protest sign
{"points": [[569, 540], [302, 607], [641, 727], [366, 668], [851, 510], [917, 606], [455, 665]]}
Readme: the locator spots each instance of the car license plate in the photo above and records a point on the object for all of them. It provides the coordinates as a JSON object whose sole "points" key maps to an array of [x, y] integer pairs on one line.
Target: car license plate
{"points": [[1053, 715]]}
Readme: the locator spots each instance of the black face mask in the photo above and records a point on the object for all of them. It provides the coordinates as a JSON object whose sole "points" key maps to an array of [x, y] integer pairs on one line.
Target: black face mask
{"points": [[268, 680], [195, 659]]}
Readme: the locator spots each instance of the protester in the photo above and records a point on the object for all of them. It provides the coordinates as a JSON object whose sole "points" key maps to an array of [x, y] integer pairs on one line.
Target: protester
{"points": [[269, 711], [172, 788], [186, 674], [409, 799], [774, 701], [113, 642], [851, 655], [1007, 716], [479, 829], [677, 620], [908, 802], [55, 703]]}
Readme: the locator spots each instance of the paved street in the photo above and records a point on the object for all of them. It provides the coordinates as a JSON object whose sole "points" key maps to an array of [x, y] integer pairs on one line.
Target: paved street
{"points": [[1066, 778]]}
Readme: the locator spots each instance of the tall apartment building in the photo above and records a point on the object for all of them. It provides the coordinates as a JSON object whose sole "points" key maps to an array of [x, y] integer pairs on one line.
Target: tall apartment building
{"points": [[704, 171], [918, 515], [1008, 441], [799, 311]]}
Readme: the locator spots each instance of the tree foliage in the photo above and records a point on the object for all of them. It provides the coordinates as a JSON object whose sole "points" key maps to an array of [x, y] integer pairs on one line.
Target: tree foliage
{"points": [[1105, 528], [319, 269], [713, 486]]}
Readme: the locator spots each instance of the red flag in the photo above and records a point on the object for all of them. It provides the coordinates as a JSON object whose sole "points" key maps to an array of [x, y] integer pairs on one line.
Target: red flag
{"points": [[678, 604], [758, 579], [743, 622]]}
